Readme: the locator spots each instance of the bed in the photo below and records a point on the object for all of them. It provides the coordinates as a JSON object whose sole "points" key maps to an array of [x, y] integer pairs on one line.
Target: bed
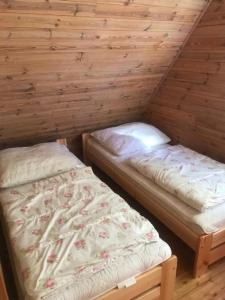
{"points": [[68, 235], [203, 232], [3, 292]]}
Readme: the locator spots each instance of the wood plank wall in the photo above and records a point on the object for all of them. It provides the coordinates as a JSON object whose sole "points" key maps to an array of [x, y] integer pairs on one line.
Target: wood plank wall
{"points": [[67, 66], [190, 105]]}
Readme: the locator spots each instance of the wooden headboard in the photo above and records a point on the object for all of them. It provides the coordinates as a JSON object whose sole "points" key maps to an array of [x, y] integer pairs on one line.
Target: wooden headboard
{"points": [[62, 142]]}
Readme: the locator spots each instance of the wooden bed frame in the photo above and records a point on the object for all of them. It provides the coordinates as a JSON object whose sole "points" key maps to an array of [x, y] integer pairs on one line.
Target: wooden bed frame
{"points": [[155, 284], [3, 291], [208, 247]]}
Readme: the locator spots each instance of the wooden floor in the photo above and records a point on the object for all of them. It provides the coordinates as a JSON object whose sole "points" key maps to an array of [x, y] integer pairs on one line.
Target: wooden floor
{"points": [[210, 286]]}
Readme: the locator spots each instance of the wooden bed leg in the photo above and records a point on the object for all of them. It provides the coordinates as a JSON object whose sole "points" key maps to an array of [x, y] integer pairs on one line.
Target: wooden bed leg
{"points": [[3, 291], [168, 278], [202, 255], [85, 137]]}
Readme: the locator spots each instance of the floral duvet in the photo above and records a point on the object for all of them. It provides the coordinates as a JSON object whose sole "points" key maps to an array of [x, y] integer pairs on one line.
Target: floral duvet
{"points": [[193, 178], [67, 227]]}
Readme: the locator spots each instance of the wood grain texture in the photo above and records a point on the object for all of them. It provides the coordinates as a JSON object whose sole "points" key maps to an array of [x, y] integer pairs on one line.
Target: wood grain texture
{"points": [[190, 106], [70, 66], [3, 292]]}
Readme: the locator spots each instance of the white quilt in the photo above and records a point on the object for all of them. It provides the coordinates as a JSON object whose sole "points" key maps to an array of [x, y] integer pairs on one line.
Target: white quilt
{"points": [[69, 227], [192, 177]]}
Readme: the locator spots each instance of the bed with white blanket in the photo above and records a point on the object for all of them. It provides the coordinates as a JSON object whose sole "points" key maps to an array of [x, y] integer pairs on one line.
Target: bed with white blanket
{"points": [[69, 234], [182, 188], [193, 178]]}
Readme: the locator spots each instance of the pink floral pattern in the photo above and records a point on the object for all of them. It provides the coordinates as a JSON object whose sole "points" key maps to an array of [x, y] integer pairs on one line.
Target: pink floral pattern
{"points": [[24, 209], [52, 258], [30, 249], [59, 242], [81, 226], [49, 284], [150, 235], [19, 222], [103, 235], [48, 202], [104, 254], [14, 192], [25, 273], [68, 195], [36, 232], [73, 230], [125, 225], [104, 204], [80, 244], [61, 221], [106, 221]]}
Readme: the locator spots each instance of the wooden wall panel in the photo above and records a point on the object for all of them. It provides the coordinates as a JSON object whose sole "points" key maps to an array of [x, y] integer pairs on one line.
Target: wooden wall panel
{"points": [[67, 66], [190, 105]]}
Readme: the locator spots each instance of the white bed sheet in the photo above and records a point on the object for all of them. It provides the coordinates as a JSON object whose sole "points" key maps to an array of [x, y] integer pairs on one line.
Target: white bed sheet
{"points": [[209, 221]]}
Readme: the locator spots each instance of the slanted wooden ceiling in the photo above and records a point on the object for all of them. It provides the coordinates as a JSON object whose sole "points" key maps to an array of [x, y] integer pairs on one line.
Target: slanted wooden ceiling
{"points": [[67, 66], [190, 106]]}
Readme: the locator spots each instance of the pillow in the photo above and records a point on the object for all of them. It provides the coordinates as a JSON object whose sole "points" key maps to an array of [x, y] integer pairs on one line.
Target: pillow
{"points": [[144, 137], [26, 164], [119, 144]]}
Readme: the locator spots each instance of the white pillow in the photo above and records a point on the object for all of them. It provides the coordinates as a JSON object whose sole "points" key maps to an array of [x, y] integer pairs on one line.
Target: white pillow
{"points": [[119, 144], [144, 137], [25, 164]]}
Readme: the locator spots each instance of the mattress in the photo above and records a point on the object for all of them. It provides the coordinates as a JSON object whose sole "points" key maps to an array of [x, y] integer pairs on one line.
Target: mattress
{"points": [[209, 221], [70, 234], [195, 179]]}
